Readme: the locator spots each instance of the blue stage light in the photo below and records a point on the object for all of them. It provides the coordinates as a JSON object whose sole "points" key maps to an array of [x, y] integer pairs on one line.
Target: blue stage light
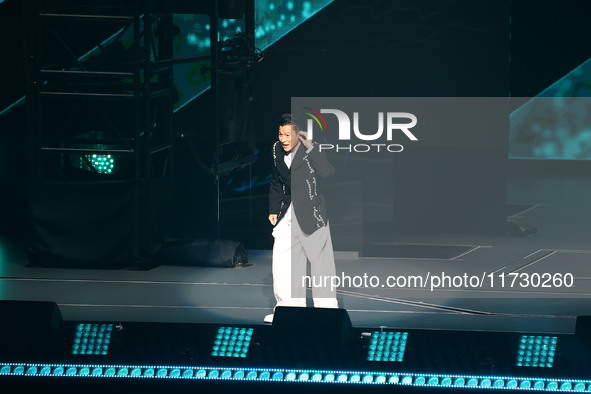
{"points": [[536, 351], [32, 370], [92, 339], [251, 375], [136, 372], [312, 376], [58, 371], [162, 372], [304, 376], [387, 346], [232, 342], [277, 376]]}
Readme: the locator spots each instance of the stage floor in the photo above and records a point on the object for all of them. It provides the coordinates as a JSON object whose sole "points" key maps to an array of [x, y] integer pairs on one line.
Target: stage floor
{"points": [[558, 206]]}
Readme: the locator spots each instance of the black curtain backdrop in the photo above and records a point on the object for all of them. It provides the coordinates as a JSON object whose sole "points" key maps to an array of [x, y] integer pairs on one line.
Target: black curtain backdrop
{"points": [[93, 224]]}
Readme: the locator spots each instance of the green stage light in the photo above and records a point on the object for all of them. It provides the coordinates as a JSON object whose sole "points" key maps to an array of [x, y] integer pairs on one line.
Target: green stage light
{"points": [[536, 351], [387, 346], [103, 164]]}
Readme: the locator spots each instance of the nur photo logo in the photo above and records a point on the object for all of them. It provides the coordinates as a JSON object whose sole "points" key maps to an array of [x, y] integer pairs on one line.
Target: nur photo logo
{"points": [[390, 125]]}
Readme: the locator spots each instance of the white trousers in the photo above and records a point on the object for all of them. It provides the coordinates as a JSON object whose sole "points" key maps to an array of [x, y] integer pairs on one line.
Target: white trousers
{"points": [[291, 250]]}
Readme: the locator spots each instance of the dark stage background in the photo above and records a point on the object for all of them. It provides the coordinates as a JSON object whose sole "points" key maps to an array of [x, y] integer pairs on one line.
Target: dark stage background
{"points": [[426, 48]]}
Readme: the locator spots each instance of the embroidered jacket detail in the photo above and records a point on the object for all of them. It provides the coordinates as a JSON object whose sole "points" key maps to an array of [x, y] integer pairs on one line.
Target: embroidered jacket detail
{"points": [[319, 218], [309, 165]]}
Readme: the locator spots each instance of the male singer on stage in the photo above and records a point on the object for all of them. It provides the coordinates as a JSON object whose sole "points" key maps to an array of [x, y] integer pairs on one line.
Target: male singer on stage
{"points": [[297, 209]]}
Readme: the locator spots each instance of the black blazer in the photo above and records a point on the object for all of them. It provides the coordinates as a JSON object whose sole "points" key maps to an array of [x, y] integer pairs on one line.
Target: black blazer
{"points": [[300, 184]]}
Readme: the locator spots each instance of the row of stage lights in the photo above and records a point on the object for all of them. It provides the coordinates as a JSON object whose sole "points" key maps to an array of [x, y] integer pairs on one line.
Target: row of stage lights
{"points": [[94, 339], [406, 379]]}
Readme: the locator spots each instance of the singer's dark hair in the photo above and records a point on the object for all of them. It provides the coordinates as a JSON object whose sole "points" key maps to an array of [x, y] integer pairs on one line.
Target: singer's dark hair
{"points": [[289, 119]]}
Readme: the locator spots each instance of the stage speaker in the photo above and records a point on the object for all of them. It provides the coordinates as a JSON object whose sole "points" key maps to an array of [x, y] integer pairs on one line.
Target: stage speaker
{"points": [[30, 330], [322, 334], [583, 327]]}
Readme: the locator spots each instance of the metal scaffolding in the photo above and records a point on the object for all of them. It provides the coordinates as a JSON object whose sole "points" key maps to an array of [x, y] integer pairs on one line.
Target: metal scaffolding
{"points": [[106, 116]]}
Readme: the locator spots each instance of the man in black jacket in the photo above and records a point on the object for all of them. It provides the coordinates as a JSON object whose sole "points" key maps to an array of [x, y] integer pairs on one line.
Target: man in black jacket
{"points": [[297, 209]]}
